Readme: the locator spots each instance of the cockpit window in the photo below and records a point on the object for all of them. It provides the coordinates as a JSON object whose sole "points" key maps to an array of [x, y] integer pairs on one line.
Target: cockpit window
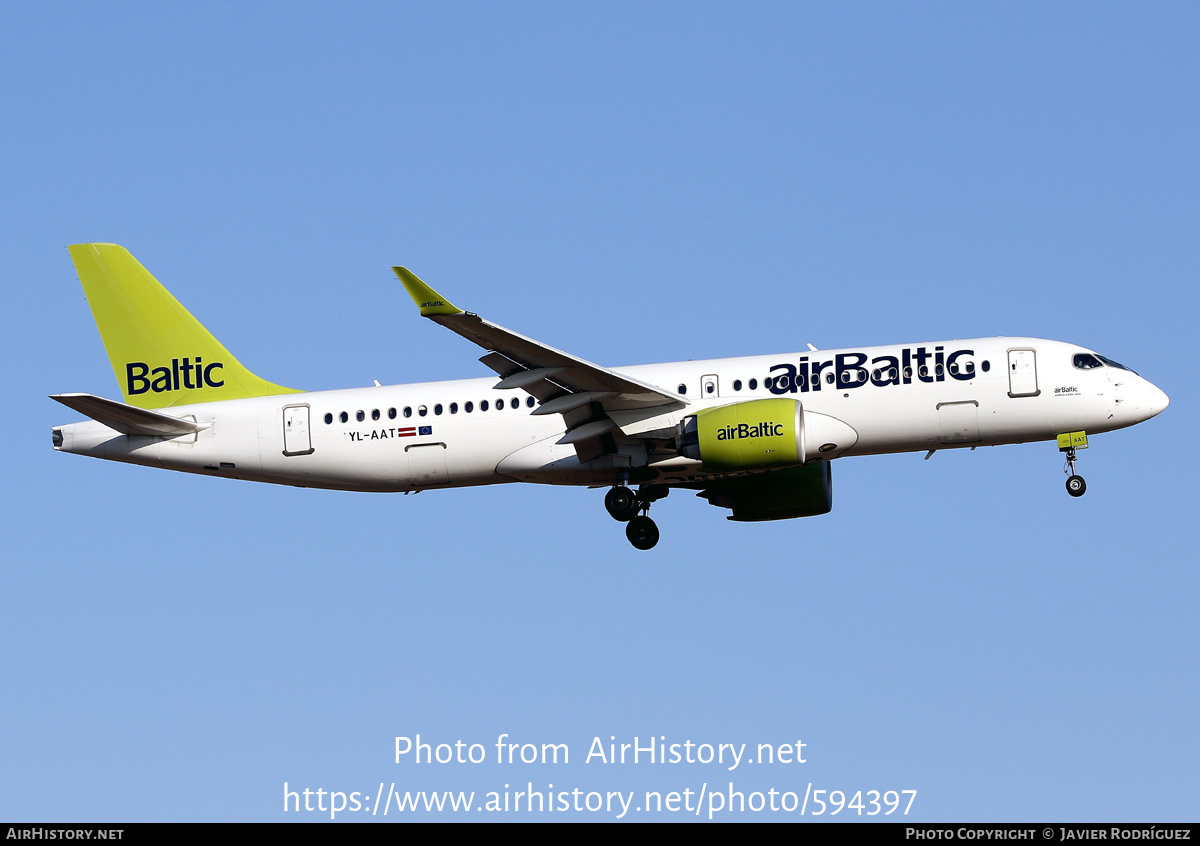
{"points": [[1112, 363], [1086, 361]]}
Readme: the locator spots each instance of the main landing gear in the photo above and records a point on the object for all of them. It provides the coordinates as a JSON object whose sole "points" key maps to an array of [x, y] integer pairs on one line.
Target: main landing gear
{"points": [[1075, 484], [642, 532], [624, 504]]}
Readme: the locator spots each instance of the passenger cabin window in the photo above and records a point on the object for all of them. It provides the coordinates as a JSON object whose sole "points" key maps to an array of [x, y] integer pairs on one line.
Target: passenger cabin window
{"points": [[328, 419], [454, 408], [469, 407], [1086, 361], [422, 410], [483, 405], [375, 414], [343, 417], [514, 402], [408, 411], [360, 416], [529, 402], [737, 384], [682, 389], [391, 414], [437, 409]]}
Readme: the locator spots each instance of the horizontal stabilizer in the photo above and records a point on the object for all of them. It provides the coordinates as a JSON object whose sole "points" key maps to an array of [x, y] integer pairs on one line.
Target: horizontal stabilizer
{"points": [[127, 419]]}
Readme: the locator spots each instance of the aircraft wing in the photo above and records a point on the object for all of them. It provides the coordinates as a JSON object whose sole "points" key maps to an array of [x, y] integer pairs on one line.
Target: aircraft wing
{"points": [[583, 392]]}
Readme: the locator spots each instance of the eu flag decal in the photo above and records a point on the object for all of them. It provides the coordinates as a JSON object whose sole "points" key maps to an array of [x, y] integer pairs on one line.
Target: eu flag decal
{"points": [[425, 430]]}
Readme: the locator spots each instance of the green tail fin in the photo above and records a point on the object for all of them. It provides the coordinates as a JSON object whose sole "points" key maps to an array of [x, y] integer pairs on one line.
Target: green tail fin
{"points": [[160, 354]]}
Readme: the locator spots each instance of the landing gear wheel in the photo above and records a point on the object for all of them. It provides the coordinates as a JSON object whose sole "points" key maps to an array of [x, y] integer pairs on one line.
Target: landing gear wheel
{"points": [[1075, 484], [622, 504], [642, 532]]}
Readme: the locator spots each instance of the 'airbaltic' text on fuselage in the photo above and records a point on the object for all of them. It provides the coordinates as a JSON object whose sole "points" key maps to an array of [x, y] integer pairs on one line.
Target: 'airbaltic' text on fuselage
{"points": [[848, 370]]}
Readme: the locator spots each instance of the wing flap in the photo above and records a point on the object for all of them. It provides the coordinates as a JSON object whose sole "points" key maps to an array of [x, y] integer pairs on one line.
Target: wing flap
{"points": [[525, 378], [586, 431], [568, 402]]}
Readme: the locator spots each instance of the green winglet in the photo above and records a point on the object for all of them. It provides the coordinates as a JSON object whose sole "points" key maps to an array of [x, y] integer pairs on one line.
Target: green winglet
{"points": [[428, 300]]}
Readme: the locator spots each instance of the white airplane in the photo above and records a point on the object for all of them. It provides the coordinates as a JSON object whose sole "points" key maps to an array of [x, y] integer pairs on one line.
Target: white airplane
{"points": [[755, 435]]}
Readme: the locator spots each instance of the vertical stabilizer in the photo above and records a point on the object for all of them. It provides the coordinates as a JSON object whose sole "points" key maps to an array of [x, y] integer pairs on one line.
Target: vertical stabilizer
{"points": [[161, 355]]}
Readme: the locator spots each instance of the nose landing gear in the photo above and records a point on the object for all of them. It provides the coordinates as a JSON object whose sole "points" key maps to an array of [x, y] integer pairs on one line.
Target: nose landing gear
{"points": [[1068, 443], [1076, 486], [623, 505]]}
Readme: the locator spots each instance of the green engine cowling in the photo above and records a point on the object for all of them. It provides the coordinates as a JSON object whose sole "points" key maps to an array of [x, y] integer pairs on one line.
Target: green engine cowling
{"points": [[764, 434]]}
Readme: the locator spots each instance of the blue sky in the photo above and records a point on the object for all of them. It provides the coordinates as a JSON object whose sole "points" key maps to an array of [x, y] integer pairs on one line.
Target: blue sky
{"points": [[632, 183]]}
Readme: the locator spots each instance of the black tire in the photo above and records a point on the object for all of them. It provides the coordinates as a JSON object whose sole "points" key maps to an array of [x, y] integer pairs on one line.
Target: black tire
{"points": [[642, 532], [621, 503], [1076, 486]]}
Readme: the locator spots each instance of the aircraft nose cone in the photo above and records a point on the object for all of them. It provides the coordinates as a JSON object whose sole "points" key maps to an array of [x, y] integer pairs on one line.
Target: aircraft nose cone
{"points": [[1157, 399], [1149, 400]]}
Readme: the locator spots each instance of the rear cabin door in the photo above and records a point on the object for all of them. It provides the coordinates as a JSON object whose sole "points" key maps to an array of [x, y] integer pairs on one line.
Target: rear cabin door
{"points": [[1022, 373], [296, 440]]}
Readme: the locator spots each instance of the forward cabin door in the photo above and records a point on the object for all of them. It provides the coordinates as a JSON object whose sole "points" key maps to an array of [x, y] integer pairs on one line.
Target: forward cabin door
{"points": [[1022, 373], [296, 440]]}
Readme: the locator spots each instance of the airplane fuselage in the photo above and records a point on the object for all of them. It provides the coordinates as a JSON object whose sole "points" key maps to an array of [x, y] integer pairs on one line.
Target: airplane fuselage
{"points": [[860, 401]]}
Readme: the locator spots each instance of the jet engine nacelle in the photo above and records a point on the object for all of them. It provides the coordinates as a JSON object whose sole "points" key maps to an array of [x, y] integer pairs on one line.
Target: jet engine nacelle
{"points": [[766, 434], [778, 495]]}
